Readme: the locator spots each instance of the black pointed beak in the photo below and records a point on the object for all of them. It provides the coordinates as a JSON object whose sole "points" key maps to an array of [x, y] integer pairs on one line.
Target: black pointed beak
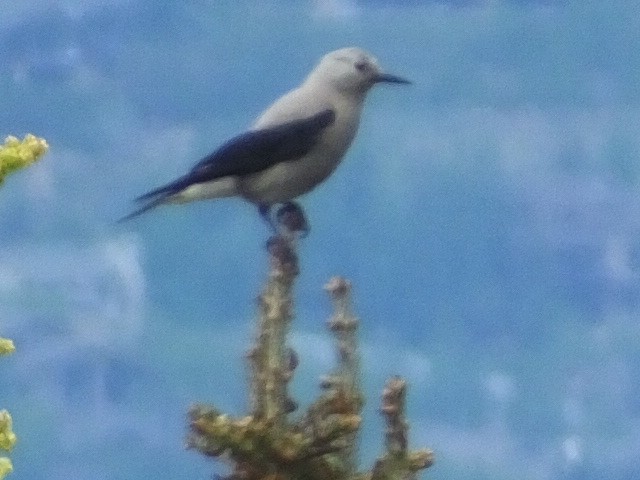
{"points": [[388, 78]]}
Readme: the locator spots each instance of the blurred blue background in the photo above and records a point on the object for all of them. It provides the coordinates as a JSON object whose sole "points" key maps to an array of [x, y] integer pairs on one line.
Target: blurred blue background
{"points": [[488, 216]]}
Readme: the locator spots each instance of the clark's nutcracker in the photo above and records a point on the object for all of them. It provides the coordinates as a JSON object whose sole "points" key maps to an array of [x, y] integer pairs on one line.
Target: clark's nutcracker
{"points": [[293, 146]]}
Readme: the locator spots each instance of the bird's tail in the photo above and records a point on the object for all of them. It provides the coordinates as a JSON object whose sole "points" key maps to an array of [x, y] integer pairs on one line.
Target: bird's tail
{"points": [[148, 206], [162, 192], [155, 198]]}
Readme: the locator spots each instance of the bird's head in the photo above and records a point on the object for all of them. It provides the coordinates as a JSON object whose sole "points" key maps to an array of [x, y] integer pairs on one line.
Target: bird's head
{"points": [[351, 70]]}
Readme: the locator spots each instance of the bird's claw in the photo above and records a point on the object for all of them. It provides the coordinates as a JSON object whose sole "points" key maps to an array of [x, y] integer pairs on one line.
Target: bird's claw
{"points": [[291, 217], [265, 213]]}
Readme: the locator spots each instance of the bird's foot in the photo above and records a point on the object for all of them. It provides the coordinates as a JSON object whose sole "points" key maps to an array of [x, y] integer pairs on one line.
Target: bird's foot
{"points": [[291, 218], [265, 213], [289, 224]]}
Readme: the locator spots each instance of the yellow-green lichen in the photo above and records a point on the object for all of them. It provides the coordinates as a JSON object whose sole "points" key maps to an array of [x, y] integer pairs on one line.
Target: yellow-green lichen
{"points": [[6, 346], [16, 154], [5, 467], [7, 437]]}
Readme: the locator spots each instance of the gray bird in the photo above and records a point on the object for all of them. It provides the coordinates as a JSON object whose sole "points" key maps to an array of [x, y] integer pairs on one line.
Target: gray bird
{"points": [[292, 147]]}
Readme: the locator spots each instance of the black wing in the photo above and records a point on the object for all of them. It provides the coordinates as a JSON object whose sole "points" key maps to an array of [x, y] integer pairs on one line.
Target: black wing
{"points": [[253, 152]]}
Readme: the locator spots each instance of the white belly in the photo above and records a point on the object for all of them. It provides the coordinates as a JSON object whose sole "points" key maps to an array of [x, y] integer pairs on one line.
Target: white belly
{"points": [[286, 180], [223, 187]]}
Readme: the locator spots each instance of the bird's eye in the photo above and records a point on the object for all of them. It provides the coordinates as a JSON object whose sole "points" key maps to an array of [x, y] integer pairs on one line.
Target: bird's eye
{"points": [[361, 66]]}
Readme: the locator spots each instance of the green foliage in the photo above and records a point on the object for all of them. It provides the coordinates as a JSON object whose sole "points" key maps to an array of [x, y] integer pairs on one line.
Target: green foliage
{"points": [[7, 441], [5, 467], [6, 346], [16, 154], [321, 443]]}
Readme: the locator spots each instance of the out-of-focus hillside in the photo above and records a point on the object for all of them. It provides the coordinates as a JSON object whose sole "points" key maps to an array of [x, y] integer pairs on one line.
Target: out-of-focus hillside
{"points": [[487, 215]]}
